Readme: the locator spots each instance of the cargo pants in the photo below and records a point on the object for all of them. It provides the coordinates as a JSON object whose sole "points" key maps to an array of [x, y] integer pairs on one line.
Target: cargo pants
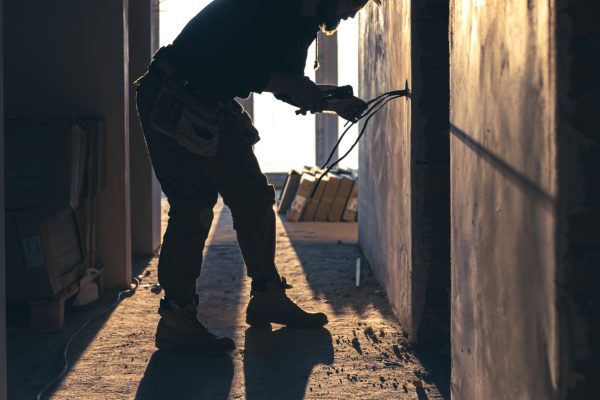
{"points": [[192, 183]]}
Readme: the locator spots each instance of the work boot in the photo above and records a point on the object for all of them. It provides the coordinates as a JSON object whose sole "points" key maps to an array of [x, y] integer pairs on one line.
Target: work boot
{"points": [[179, 329], [269, 303]]}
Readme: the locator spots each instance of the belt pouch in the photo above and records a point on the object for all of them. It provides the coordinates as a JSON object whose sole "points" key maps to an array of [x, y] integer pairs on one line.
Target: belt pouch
{"points": [[181, 117]]}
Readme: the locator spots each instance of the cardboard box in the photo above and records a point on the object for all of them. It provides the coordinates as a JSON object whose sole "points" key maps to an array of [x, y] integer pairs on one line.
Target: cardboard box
{"points": [[47, 249], [312, 204], [307, 183], [289, 191], [327, 198], [341, 198], [351, 209], [44, 163]]}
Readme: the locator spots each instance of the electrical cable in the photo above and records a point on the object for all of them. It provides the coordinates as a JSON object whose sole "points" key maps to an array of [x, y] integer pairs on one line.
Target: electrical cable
{"points": [[373, 106], [62, 373]]}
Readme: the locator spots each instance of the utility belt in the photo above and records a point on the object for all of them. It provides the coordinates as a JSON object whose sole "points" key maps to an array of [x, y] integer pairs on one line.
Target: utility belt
{"points": [[182, 115]]}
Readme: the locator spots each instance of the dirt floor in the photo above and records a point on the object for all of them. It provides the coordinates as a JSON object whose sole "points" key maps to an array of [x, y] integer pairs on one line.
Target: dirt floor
{"points": [[360, 354]]}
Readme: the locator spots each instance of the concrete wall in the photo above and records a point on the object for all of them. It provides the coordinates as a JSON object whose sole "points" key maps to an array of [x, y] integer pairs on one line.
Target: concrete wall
{"points": [[404, 162], [145, 189], [385, 154], [70, 57], [504, 191]]}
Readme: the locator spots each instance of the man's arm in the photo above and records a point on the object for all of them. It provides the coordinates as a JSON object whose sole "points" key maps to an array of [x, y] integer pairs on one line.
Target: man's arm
{"points": [[301, 91]]}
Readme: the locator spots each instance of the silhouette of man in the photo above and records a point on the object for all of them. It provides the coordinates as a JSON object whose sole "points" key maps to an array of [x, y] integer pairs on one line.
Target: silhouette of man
{"points": [[200, 143]]}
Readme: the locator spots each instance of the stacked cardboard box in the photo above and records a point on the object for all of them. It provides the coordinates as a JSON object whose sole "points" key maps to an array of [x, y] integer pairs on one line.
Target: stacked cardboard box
{"points": [[290, 187], [53, 179], [44, 253], [334, 199], [312, 203], [307, 183], [351, 209], [44, 163]]}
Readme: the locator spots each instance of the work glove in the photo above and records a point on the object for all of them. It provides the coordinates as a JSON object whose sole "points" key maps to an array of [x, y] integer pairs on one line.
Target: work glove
{"points": [[349, 108]]}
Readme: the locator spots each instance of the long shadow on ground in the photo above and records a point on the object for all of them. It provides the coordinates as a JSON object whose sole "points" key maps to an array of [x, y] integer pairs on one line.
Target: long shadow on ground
{"points": [[278, 364], [34, 359], [171, 375], [329, 268]]}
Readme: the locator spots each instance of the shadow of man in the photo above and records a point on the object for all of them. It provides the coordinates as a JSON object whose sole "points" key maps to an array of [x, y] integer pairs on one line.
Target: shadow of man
{"points": [[172, 375], [277, 364]]}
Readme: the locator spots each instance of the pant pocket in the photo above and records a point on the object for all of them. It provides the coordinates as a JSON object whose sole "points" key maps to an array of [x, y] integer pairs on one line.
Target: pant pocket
{"points": [[187, 122], [196, 135], [236, 126]]}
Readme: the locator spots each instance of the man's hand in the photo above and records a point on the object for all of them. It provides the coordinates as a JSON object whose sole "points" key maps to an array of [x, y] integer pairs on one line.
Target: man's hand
{"points": [[303, 92], [349, 108]]}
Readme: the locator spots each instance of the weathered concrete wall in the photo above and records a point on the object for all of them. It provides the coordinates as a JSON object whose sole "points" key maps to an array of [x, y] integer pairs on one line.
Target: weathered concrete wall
{"points": [[504, 190], [404, 163], [145, 189], [67, 58], [384, 158]]}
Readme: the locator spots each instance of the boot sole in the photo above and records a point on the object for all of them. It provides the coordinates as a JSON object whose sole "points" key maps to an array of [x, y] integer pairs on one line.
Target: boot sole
{"points": [[205, 351]]}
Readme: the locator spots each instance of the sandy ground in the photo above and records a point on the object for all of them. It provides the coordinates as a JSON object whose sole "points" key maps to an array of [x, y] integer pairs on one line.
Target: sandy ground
{"points": [[360, 354]]}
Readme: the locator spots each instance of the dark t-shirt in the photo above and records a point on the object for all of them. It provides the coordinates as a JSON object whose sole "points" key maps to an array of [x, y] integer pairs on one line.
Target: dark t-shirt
{"points": [[232, 46]]}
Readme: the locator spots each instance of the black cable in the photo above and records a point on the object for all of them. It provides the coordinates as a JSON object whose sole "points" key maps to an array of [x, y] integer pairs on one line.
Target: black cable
{"points": [[373, 106], [352, 121], [363, 130], [339, 141], [381, 102]]}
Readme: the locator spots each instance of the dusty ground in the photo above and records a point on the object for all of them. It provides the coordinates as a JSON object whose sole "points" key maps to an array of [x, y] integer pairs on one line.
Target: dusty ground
{"points": [[360, 354]]}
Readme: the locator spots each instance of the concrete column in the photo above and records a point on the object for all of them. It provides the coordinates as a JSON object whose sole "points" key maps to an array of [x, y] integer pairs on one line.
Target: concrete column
{"points": [[145, 189], [3, 394], [578, 153], [71, 58], [326, 125]]}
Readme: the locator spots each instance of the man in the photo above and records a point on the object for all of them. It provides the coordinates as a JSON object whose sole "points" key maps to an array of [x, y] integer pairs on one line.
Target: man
{"points": [[200, 143]]}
